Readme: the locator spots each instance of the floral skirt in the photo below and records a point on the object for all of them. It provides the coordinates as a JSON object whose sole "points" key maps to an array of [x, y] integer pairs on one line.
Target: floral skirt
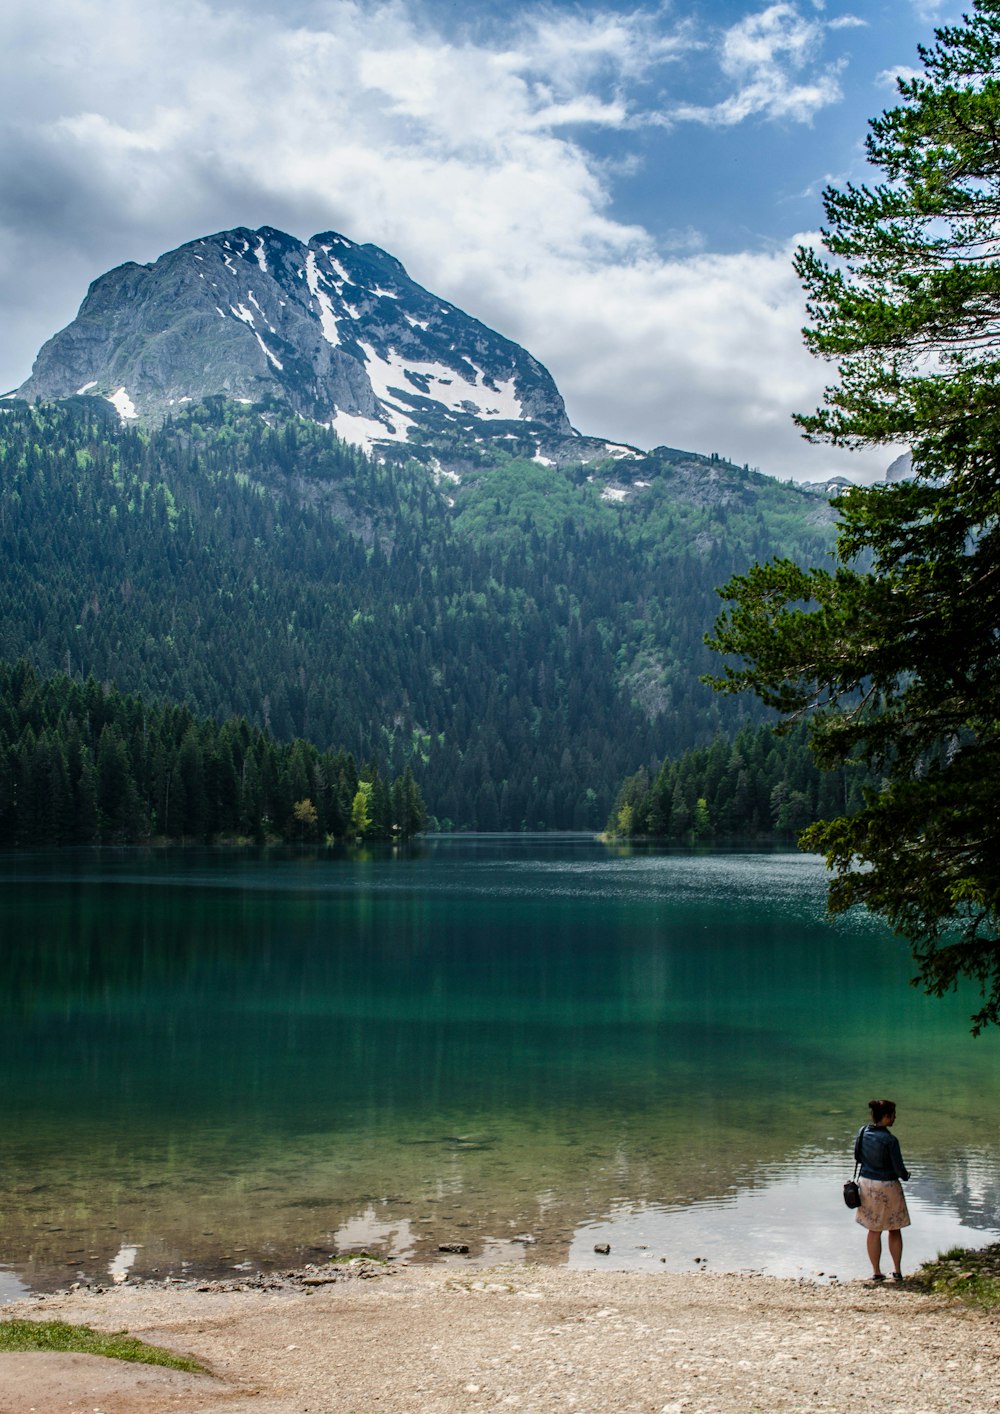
{"points": [[883, 1207]]}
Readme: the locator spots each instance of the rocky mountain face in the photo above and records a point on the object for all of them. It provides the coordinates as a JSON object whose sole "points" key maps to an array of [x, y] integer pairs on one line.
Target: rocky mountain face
{"points": [[337, 331]]}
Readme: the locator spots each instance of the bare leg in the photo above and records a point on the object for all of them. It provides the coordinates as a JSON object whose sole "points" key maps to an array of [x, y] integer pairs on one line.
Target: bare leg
{"points": [[896, 1248], [875, 1250]]}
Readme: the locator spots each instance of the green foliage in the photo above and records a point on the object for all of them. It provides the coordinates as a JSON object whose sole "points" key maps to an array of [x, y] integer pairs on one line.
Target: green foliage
{"points": [[84, 764], [893, 654], [361, 819], [519, 650], [306, 816], [908, 307], [17, 1335], [968, 1275], [757, 787]]}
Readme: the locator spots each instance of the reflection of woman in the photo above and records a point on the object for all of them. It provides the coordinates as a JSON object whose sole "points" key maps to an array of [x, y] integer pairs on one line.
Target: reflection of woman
{"points": [[883, 1207]]}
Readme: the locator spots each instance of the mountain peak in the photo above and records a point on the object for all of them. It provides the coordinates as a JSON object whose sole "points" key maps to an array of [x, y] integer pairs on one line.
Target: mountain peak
{"points": [[336, 330]]}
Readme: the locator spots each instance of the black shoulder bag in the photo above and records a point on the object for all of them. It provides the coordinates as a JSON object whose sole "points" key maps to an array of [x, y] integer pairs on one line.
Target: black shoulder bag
{"points": [[852, 1192]]}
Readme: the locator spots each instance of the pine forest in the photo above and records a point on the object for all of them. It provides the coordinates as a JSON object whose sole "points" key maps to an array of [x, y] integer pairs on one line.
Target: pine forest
{"points": [[511, 635]]}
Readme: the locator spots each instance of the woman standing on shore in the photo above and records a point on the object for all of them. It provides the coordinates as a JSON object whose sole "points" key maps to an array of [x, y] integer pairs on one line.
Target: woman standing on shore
{"points": [[883, 1206]]}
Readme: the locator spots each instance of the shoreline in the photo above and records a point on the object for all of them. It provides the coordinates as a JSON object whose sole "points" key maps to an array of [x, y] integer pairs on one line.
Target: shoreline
{"points": [[288, 1271], [449, 1340]]}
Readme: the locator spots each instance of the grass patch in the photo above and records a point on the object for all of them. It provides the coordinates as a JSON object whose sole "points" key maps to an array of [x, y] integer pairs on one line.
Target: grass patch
{"points": [[82, 1340], [969, 1275]]}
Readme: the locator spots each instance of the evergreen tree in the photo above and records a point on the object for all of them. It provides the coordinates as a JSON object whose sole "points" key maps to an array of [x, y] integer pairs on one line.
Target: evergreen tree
{"points": [[82, 764], [894, 655], [117, 798]]}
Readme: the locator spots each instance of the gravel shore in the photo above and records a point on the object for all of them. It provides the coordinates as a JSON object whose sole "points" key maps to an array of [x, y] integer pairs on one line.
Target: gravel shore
{"points": [[438, 1340]]}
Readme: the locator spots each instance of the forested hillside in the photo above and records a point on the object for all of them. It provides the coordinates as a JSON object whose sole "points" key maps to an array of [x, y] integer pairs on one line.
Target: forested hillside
{"points": [[759, 786], [86, 764], [522, 637]]}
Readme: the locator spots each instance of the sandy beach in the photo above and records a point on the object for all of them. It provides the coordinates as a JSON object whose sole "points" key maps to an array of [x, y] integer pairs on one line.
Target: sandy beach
{"points": [[439, 1340]]}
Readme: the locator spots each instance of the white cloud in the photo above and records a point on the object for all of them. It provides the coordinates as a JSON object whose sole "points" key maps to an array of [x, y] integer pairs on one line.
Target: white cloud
{"points": [[453, 155], [889, 78], [764, 55], [653, 344], [774, 34], [572, 48]]}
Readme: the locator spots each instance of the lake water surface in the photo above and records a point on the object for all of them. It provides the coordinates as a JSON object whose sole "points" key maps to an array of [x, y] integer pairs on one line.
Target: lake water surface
{"points": [[217, 1060]]}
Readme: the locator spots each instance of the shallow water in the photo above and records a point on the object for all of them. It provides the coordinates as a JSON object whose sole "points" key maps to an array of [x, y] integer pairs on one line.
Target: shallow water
{"points": [[220, 1059]]}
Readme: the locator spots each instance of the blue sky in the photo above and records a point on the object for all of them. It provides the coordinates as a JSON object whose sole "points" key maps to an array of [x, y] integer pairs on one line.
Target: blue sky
{"points": [[748, 167], [618, 187]]}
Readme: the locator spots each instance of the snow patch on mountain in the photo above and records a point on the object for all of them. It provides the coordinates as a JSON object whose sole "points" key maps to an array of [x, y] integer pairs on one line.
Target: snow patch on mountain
{"points": [[273, 357], [327, 318], [363, 432], [339, 271], [389, 376], [124, 404]]}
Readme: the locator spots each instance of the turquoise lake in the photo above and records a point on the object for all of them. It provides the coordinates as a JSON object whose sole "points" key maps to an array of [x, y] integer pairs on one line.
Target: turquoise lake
{"points": [[216, 1061]]}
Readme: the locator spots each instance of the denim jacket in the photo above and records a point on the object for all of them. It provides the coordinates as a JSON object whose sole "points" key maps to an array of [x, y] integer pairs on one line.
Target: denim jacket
{"points": [[879, 1154]]}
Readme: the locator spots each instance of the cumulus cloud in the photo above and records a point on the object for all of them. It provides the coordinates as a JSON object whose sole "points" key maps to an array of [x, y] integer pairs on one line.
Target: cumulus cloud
{"points": [[466, 159], [659, 347]]}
